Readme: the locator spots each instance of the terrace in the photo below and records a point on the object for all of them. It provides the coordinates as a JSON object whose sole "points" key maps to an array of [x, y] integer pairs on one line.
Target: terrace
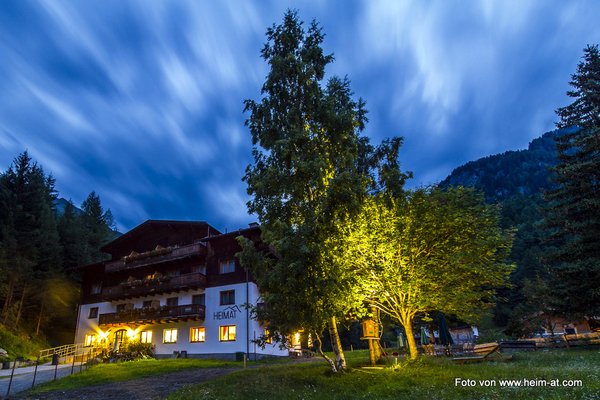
{"points": [[166, 284], [141, 316]]}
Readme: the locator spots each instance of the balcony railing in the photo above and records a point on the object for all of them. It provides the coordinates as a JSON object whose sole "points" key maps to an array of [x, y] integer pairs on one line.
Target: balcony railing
{"points": [[156, 257], [194, 280], [154, 315]]}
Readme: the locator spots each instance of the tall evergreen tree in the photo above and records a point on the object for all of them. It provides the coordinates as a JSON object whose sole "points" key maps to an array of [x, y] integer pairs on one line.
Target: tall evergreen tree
{"points": [[72, 239], [574, 207], [30, 242], [310, 174], [97, 227]]}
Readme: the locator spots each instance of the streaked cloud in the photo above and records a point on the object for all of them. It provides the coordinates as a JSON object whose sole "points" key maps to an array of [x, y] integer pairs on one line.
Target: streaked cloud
{"points": [[142, 100]]}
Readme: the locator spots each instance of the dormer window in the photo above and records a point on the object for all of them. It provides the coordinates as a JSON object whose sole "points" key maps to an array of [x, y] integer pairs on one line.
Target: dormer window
{"points": [[226, 267], [96, 288]]}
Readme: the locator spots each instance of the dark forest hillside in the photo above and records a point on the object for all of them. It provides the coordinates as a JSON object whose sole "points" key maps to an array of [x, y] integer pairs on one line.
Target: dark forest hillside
{"points": [[43, 238], [512, 173], [516, 180]]}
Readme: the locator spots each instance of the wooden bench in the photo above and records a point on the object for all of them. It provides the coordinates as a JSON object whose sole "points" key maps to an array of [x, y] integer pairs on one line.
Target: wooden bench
{"points": [[483, 352]]}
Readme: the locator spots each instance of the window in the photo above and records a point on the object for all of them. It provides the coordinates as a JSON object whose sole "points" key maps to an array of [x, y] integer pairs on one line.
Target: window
{"points": [[147, 304], [199, 269], [227, 297], [173, 301], [227, 333], [199, 299], [96, 288], [121, 307], [93, 312], [170, 335], [268, 338], [146, 337], [90, 340], [227, 266], [197, 334]]}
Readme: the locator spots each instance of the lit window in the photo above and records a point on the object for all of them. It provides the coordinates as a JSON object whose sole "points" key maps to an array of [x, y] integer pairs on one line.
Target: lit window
{"points": [[89, 340], [197, 334], [268, 338], [170, 335], [93, 312], [227, 297], [146, 336], [226, 267], [227, 333]]}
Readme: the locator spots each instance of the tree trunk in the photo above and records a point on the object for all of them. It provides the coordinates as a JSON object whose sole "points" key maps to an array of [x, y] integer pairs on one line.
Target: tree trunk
{"points": [[374, 346], [39, 321], [320, 350], [8, 301], [340, 360], [412, 344], [20, 310]]}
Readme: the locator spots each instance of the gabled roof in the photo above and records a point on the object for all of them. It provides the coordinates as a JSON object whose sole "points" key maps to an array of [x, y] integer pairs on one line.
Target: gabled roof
{"points": [[164, 232]]}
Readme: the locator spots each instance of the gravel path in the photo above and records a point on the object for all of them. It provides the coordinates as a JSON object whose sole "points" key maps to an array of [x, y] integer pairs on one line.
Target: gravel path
{"points": [[152, 387]]}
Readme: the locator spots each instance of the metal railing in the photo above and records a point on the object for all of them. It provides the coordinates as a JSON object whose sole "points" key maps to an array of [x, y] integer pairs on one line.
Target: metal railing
{"points": [[66, 354]]}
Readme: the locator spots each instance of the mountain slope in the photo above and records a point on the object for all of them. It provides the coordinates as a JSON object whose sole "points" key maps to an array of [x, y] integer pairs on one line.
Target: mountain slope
{"points": [[501, 176], [516, 180]]}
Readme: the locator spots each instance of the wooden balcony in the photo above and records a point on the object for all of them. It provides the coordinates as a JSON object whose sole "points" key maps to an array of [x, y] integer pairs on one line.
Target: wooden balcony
{"points": [[141, 316], [156, 257], [167, 284]]}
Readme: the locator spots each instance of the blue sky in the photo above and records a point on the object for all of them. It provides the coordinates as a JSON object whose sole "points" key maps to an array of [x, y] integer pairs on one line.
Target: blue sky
{"points": [[141, 101]]}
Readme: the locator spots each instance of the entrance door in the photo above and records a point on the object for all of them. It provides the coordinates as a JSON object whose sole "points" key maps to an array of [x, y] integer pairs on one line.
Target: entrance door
{"points": [[120, 337]]}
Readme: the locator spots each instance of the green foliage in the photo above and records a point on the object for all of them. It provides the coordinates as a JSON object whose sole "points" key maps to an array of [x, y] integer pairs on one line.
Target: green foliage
{"points": [[573, 209], [516, 180], [135, 350], [311, 171], [19, 344], [431, 250]]}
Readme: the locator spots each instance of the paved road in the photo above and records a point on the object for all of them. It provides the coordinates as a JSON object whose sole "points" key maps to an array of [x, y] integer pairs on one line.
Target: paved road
{"points": [[23, 377]]}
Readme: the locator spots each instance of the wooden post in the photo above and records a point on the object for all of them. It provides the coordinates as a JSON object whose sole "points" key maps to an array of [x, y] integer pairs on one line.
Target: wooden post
{"points": [[73, 365], [11, 378], [37, 362]]}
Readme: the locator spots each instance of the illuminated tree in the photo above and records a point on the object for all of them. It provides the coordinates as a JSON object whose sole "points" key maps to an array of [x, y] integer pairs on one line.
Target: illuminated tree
{"points": [[311, 172], [430, 250]]}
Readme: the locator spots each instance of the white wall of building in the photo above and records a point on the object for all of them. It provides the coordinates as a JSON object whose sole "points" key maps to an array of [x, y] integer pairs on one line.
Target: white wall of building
{"points": [[216, 316]]}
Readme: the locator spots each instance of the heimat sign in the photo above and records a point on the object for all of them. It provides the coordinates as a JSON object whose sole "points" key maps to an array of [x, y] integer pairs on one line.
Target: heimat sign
{"points": [[228, 313]]}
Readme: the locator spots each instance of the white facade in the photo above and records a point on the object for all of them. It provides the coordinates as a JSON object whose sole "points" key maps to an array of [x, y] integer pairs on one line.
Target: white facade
{"points": [[218, 318]]}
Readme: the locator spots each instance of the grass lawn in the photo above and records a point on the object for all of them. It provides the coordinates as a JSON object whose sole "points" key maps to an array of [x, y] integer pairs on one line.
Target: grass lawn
{"points": [[123, 371], [424, 379]]}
